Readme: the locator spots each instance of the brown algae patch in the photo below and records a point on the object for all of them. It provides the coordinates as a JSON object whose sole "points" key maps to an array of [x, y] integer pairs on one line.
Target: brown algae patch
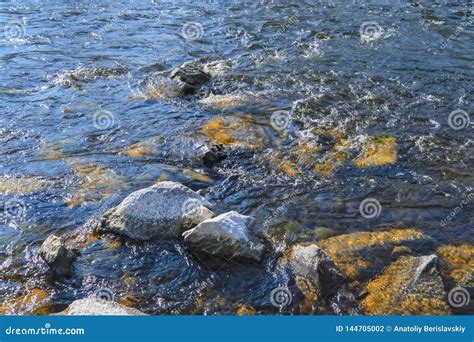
{"points": [[331, 161], [350, 251], [96, 183], [243, 310], [148, 147], [378, 151], [22, 185], [406, 287], [287, 167], [29, 303], [235, 130], [197, 176], [53, 150], [460, 261]]}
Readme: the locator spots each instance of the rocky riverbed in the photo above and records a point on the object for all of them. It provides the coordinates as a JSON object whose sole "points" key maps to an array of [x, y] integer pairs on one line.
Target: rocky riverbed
{"points": [[244, 172]]}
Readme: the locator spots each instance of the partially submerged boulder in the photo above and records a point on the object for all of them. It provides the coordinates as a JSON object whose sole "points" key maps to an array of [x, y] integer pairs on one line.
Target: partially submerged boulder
{"points": [[189, 77], [318, 279], [162, 211], [409, 286], [226, 236], [93, 306], [57, 256]]}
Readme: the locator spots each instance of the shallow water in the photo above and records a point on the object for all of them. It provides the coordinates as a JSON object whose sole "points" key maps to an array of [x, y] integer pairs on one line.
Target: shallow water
{"points": [[66, 127]]}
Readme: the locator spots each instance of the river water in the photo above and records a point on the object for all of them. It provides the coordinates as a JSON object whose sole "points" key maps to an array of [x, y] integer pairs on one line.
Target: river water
{"points": [[69, 131]]}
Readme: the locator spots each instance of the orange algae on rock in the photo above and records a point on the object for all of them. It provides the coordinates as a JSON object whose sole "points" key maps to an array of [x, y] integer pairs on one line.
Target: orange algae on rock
{"points": [[22, 185], [96, 183], [235, 130], [243, 310], [33, 300], [409, 286], [460, 261], [378, 151], [350, 251], [145, 148]]}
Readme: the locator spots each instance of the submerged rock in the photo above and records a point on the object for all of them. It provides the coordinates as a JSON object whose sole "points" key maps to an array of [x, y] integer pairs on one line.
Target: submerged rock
{"points": [[93, 306], [409, 286], [189, 77], [226, 236], [32, 302], [58, 257], [378, 151], [458, 262], [361, 255], [161, 211], [235, 130], [74, 78]]}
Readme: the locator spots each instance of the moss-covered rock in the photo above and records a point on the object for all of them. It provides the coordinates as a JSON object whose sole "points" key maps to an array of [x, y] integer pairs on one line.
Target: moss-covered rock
{"points": [[381, 150], [360, 255], [30, 302], [409, 286], [460, 263]]}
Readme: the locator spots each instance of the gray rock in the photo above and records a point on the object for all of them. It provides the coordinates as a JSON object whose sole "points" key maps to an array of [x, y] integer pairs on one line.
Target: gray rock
{"points": [[197, 150], [320, 281], [190, 77], [226, 236], [93, 306], [57, 256], [162, 211]]}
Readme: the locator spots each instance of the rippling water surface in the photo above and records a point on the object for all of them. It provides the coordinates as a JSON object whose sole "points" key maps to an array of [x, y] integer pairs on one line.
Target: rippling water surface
{"points": [[74, 125]]}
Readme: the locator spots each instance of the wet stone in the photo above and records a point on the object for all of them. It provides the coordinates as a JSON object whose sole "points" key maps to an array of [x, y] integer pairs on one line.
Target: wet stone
{"points": [[226, 236], [57, 256], [190, 77], [93, 306], [162, 211]]}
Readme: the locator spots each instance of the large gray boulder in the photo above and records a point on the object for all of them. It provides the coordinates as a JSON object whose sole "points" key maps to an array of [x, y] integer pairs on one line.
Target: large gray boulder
{"points": [[162, 211], [226, 236], [57, 256], [93, 306]]}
